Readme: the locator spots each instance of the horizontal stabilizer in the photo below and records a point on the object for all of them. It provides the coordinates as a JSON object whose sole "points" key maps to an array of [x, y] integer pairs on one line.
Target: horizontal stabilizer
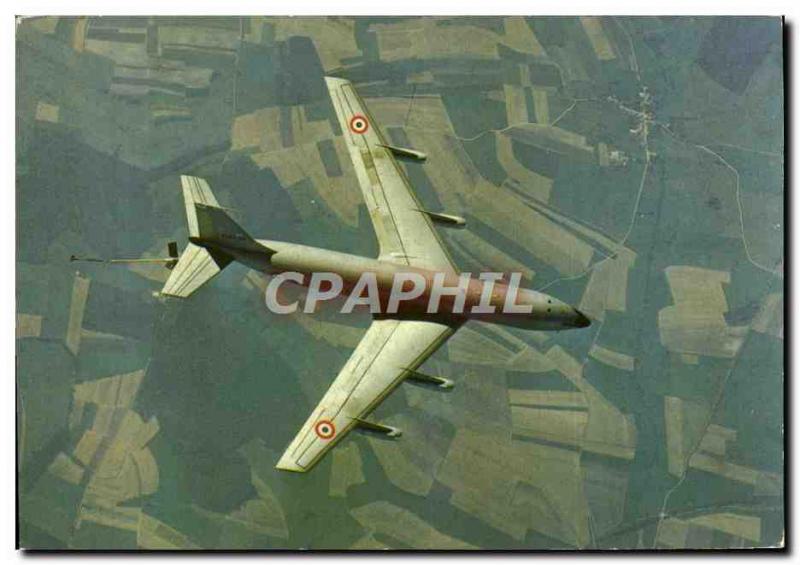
{"points": [[196, 266]]}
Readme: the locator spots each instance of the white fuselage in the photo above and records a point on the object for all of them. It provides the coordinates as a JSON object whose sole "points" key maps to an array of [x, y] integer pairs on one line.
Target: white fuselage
{"points": [[545, 312]]}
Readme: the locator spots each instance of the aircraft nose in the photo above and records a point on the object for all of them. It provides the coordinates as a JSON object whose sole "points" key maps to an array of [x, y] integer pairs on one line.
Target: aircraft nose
{"points": [[581, 321]]}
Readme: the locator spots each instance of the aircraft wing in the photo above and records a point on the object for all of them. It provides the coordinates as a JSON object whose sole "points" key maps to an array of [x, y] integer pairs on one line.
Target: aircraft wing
{"points": [[405, 234], [385, 356]]}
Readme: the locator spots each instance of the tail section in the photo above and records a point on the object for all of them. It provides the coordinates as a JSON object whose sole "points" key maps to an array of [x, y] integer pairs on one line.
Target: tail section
{"points": [[208, 221], [196, 266], [214, 237], [196, 191]]}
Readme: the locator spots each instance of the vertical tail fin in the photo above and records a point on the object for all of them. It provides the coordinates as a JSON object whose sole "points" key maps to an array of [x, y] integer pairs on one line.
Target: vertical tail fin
{"points": [[211, 230], [209, 222], [196, 191]]}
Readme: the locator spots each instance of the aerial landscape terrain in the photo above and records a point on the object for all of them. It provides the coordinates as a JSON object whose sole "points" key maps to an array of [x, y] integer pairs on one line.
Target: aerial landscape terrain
{"points": [[632, 167]]}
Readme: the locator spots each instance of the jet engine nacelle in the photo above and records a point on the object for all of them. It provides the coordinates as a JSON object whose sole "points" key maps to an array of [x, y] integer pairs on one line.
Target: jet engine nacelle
{"points": [[387, 431], [407, 153], [450, 220], [431, 380]]}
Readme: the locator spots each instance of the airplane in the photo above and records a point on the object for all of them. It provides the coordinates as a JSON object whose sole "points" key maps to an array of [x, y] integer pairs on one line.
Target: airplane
{"points": [[395, 345]]}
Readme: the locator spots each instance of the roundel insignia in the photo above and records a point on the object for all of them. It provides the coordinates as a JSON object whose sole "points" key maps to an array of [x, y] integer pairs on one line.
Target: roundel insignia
{"points": [[325, 429], [359, 124]]}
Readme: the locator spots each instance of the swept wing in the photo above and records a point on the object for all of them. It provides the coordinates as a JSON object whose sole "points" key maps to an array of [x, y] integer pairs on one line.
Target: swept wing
{"points": [[388, 352], [405, 233]]}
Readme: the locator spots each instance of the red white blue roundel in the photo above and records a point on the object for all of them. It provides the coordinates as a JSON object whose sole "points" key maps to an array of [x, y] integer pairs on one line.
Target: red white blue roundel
{"points": [[359, 124], [325, 429]]}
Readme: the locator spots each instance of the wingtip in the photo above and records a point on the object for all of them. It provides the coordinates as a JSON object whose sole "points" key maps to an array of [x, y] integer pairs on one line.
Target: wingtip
{"points": [[286, 464], [335, 81]]}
